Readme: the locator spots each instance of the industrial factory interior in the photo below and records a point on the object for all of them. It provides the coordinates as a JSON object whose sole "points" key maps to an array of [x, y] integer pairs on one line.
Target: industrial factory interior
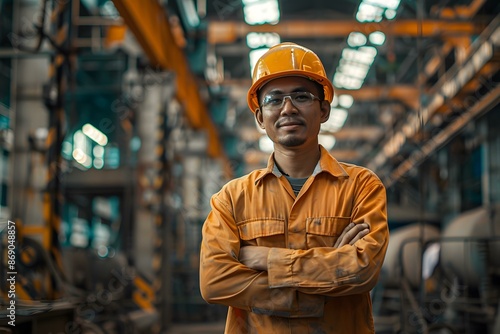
{"points": [[119, 119]]}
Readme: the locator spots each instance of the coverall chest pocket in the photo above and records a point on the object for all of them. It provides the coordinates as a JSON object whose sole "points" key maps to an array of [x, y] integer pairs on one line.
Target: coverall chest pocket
{"points": [[269, 232], [324, 231]]}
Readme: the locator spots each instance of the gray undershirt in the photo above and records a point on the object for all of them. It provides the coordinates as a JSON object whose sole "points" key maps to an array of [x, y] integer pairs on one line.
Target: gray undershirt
{"points": [[296, 183]]}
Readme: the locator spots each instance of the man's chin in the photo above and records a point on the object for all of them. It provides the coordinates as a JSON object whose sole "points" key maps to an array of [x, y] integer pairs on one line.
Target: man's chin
{"points": [[292, 142]]}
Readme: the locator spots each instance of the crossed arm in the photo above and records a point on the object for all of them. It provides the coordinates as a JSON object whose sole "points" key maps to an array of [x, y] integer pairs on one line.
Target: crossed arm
{"points": [[255, 257], [292, 282]]}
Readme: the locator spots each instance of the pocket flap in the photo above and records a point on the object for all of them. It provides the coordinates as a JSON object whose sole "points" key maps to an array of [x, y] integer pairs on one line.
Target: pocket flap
{"points": [[261, 228], [328, 226]]}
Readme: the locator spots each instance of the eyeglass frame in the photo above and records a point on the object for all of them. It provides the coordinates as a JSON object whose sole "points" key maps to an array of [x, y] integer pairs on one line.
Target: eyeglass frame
{"points": [[289, 96]]}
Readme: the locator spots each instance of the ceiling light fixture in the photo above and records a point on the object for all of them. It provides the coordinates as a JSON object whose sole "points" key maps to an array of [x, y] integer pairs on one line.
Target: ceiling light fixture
{"points": [[93, 133], [389, 4], [356, 39], [257, 40], [346, 101], [327, 141], [377, 38], [254, 55], [338, 117], [369, 13], [261, 11], [265, 144], [357, 59]]}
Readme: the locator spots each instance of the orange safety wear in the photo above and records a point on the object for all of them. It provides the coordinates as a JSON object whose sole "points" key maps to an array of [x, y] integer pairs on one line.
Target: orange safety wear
{"points": [[310, 286]]}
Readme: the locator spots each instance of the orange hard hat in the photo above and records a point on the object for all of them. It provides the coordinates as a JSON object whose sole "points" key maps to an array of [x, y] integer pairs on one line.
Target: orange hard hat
{"points": [[287, 59]]}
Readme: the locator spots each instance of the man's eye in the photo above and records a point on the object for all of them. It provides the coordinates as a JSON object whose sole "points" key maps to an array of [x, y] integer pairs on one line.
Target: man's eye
{"points": [[274, 101], [302, 97]]}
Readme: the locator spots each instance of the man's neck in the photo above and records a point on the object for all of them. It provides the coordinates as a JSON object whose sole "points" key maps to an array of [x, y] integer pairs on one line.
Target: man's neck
{"points": [[297, 164]]}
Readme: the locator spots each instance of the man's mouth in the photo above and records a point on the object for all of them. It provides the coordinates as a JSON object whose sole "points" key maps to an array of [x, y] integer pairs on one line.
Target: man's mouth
{"points": [[289, 123]]}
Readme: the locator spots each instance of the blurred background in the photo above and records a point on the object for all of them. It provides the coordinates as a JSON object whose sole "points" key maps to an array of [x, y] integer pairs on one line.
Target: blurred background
{"points": [[119, 119]]}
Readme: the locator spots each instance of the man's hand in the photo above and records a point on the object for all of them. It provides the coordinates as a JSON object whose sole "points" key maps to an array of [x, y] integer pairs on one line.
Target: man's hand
{"points": [[351, 234], [254, 257]]}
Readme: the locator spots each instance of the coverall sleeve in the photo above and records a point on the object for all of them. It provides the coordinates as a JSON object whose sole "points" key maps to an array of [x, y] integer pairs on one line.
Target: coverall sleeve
{"points": [[350, 269], [224, 280]]}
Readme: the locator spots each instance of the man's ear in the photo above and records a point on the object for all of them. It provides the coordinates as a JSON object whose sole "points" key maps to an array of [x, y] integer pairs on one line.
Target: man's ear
{"points": [[259, 118], [325, 111]]}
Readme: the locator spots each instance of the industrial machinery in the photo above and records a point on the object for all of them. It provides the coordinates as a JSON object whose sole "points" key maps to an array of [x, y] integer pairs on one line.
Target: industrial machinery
{"points": [[442, 282]]}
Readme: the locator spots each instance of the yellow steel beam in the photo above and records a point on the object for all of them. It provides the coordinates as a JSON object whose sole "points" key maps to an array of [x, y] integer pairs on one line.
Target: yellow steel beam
{"points": [[229, 31], [148, 20], [408, 95]]}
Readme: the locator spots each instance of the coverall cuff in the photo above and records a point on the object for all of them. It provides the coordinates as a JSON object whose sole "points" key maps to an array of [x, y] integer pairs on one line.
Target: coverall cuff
{"points": [[279, 268]]}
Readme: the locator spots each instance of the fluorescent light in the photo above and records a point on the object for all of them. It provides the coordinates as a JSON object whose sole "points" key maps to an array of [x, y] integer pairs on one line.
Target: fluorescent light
{"points": [[354, 70], [93, 133], [257, 40], [254, 55], [346, 101], [327, 141], [266, 144], [337, 119], [98, 151], [98, 163], [66, 148], [335, 101], [389, 4], [82, 158], [345, 81], [356, 39], [81, 143], [377, 38], [79, 140], [372, 10], [390, 14], [368, 50], [260, 12], [364, 55], [369, 13]]}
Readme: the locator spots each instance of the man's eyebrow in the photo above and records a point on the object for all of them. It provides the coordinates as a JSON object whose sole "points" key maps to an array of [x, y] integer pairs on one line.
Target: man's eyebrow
{"points": [[296, 89], [274, 91]]}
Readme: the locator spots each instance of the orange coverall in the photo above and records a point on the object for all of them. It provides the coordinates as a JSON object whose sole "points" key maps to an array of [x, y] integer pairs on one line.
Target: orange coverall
{"points": [[310, 286]]}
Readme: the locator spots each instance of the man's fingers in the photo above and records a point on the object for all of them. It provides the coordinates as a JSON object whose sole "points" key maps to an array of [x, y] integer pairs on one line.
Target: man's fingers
{"points": [[341, 237], [360, 235], [351, 234]]}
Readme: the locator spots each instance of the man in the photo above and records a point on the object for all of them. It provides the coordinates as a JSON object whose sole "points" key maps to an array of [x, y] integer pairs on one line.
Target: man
{"points": [[297, 246]]}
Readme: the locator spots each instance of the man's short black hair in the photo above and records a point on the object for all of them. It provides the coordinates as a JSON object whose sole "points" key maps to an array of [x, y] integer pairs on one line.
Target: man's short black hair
{"points": [[321, 90]]}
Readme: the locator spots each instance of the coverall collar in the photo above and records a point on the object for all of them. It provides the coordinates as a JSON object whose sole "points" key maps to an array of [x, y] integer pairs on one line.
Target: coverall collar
{"points": [[327, 163]]}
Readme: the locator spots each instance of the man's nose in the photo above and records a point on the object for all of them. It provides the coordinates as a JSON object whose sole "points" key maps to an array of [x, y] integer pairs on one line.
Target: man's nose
{"points": [[288, 106]]}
